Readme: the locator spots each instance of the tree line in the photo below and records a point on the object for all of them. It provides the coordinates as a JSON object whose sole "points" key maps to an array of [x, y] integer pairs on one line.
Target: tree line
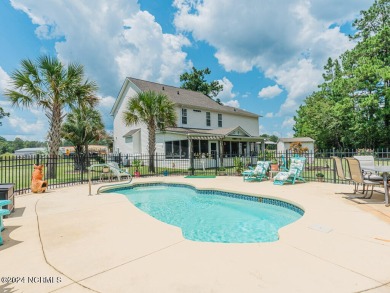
{"points": [[9, 147], [351, 109]]}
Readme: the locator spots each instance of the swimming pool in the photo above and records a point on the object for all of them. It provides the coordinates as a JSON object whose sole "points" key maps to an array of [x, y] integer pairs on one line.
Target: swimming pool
{"points": [[213, 216]]}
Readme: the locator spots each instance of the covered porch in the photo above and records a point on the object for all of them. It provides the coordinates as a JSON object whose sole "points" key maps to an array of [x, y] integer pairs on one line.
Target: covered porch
{"points": [[212, 148]]}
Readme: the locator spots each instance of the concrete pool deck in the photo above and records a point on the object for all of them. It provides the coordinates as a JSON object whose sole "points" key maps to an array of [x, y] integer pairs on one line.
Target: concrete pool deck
{"points": [[67, 241]]}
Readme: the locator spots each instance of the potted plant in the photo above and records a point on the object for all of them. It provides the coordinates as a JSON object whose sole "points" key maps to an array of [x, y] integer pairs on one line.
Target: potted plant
{"points": [[274, 165], [238, 165], [222, 171], [137, 164], [320, 177]]}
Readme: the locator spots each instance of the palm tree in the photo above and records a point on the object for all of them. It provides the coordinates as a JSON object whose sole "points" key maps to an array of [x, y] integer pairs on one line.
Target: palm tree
{"points": [[156, 111], [48, 84], [82, 126]]}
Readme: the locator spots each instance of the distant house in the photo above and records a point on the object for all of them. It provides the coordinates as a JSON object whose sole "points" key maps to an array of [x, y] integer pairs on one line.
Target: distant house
{"points": [[284, 143], [29, 151], [203, 126], [98, 149]]}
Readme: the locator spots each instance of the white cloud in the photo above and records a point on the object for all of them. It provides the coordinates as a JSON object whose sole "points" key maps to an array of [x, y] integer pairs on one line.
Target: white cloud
{"points": [[270, 92], [337, 11], [111, 39], [269, 115], [106, 102], [227, 93], [28, 124], [4, 80], [261, 129], [232, 103], [105, 106], [288, 40], [22, 125], [299, 81], [288, 122]]}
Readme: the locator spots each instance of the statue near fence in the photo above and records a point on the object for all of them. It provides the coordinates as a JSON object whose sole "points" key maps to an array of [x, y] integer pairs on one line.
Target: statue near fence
{"points": [[37, 184]]}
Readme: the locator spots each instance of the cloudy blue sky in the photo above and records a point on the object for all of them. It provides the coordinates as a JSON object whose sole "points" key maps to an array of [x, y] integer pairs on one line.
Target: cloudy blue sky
{"points": [[269, 55]]}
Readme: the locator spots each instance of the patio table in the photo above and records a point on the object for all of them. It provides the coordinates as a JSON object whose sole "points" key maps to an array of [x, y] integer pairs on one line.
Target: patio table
{"points": [[385, 170]]}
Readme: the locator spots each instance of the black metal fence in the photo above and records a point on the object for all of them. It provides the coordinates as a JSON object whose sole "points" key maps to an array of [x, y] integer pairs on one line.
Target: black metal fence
{"points": [[71, 170]]}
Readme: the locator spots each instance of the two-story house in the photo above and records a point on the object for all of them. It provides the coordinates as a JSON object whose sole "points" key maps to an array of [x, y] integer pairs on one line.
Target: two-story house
{"points": [[203, 125]]}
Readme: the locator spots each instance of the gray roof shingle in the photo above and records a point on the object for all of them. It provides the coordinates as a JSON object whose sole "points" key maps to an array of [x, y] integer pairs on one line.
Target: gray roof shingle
{"points": [[189, 98]]}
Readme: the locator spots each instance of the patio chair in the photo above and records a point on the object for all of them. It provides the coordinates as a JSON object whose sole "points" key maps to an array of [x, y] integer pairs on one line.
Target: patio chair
{"points": [[283, 165], [338, 165], [293, 174], [3, 212], [365, 163], [257, 174], [117, 172], [358, 178]]}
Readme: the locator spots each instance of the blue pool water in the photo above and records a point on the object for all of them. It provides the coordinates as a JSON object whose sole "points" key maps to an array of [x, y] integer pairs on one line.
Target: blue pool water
{"points": [[209, 217]]}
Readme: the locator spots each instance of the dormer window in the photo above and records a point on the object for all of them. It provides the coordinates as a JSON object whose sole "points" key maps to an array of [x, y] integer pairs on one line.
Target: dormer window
{"points": [[183, 116], [219, 120]]}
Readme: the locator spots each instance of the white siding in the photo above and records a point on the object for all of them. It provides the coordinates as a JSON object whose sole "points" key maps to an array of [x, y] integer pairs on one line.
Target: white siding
{"points": [[198, 120], [283, 146], [139, 141], [195, 119]]}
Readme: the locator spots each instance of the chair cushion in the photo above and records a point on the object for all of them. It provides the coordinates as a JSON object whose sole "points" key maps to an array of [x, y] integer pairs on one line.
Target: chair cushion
{"points": [[372, 177], [282, 176]]}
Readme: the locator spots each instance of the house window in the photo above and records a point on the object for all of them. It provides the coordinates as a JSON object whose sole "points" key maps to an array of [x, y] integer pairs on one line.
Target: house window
{"points": [[184, 116], [199, 147], [177, 149], [208, 119], [219, 120]]}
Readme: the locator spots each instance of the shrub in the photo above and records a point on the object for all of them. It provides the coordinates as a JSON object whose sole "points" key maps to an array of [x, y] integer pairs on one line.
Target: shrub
{"points": [[238, 164], [7, 156]]}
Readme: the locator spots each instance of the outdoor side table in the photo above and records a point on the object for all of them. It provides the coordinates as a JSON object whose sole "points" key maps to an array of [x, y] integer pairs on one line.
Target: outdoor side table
{"points": [[272, 174], [7, 192]]}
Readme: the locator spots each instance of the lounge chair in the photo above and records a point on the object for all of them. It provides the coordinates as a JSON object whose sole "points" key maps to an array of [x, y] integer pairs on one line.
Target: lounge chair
{"points": [[106, 173], [293, 174], [257, 174], [283, 165], [117, 172], [358, 178], [3, 212]]}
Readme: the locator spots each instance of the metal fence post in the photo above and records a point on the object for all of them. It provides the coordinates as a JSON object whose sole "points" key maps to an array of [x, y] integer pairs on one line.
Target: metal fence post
{"points": [[192, 163]]}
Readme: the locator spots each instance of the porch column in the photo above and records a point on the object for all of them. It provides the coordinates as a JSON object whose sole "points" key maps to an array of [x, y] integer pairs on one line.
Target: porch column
{"points": [[220, 143], [191, 153]]}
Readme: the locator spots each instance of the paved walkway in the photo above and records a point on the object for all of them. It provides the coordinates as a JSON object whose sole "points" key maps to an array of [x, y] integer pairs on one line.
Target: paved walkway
{"points": [[67, 241]]}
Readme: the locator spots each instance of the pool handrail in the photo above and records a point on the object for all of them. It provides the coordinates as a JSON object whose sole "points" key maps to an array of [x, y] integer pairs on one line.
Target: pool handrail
{"points": [[109, 185]]}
